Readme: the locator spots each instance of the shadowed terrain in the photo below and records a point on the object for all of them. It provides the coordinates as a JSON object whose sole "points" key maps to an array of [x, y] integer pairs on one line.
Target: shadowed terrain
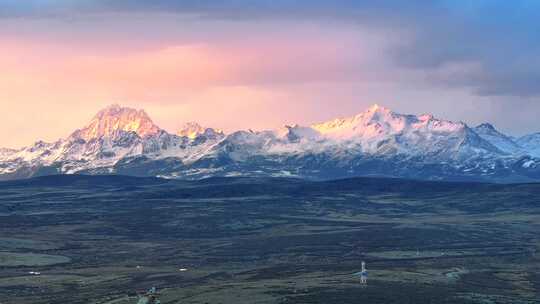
{"points": [[99, 239]]}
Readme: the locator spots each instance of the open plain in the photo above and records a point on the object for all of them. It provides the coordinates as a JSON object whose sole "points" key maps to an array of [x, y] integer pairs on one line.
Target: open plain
{"points": [[100, 239]]}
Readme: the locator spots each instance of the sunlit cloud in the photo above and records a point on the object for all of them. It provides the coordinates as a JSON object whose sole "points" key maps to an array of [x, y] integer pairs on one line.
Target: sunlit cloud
{"points": [[276, 63]]}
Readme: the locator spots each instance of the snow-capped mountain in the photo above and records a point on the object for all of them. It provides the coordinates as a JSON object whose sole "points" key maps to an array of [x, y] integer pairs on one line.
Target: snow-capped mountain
{"points": [[113, 119], [380, 131], [503, 142], [114, 134], [192, 130], [531, 143], [374, 142]]}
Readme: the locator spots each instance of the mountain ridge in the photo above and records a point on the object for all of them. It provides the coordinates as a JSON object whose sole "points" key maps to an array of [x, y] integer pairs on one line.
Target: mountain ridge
{"points": [[377, 141]]}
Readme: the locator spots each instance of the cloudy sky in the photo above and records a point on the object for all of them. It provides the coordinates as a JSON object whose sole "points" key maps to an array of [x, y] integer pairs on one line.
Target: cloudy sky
{"points": [[236, 64]]}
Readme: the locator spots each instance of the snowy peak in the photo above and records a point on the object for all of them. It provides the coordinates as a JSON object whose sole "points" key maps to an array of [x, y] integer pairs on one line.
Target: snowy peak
{"points": [[531, 143], [296, 132], [380, 131], [377, 112], [193, 130], [369, 123], [503, 142], [378, 121], [485, 128], [115, 119]]}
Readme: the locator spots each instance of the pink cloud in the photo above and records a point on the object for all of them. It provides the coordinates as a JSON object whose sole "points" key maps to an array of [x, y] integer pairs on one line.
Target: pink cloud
{"points": [[231, 75]]}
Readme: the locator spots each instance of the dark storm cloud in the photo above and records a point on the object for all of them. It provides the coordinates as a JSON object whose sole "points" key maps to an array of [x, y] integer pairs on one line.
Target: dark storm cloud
{"points": [[491, 47], [500, 38], [227, 8]]}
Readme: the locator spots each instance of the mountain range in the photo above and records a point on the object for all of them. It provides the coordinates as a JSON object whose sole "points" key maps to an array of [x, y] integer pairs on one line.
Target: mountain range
{"points": [[376, 142]]}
